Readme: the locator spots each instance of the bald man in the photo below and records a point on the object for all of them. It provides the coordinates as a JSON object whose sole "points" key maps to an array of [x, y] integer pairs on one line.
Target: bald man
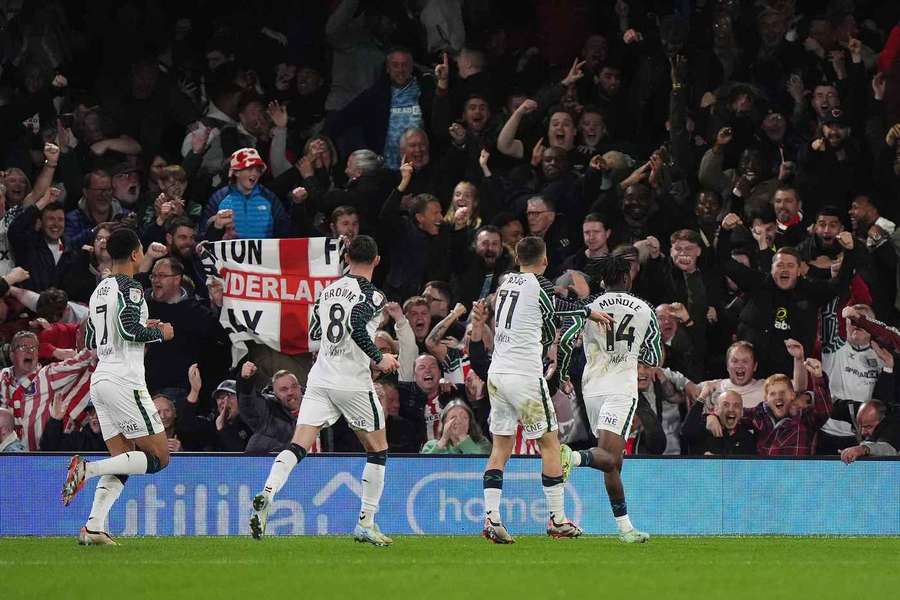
{"points": [[880, 433], [732, 436]]}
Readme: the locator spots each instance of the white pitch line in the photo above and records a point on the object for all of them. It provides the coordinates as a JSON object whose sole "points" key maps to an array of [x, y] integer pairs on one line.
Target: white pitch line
{"points": [[222, 562]]}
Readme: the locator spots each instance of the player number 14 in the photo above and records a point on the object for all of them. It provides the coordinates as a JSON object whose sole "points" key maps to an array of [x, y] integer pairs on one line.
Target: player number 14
{"points": [[623, 333]]}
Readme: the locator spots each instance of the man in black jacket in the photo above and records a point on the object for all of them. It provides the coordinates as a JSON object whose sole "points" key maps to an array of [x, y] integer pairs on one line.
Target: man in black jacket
{"points": [[735, 436], [180, 241], [402, 434], [200, 338], [41, 252], [545, 223], [789, 217], [271, 411], [821, 249], [421, 244], [782, 304], [681, 278], [832, 166], [477, 273], [368, 184], [596, 231]]}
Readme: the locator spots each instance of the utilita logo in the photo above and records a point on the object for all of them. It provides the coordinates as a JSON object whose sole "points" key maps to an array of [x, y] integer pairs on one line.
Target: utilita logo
{"points": [[224, 509], [200, 509], [447, 502]]}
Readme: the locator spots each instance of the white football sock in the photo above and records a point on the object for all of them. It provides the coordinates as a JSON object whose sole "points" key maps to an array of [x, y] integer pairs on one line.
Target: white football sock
{"points": [[624, 524], [492, 503], [372, 486], [127, 463], [555, 500], [109, 487], [281, 470]]}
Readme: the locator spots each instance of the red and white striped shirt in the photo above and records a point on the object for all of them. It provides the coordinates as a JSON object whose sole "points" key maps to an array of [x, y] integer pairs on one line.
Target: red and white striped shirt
{"points": [[433, 418], [525, 446], [30, 397]]}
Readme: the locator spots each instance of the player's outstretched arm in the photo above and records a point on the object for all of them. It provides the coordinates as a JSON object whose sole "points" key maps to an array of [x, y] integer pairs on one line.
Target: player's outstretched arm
{"points": [[561, 307]]}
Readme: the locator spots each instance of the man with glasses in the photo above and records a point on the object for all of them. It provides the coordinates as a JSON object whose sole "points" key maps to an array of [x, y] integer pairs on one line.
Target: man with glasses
{"points": [[25, 388], [96, 206], [545, 223], [200, 338], [17, 379]]}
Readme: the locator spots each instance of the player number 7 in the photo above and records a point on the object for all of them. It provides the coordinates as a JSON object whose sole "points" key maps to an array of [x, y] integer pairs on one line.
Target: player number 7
{"points": [[101, 310]]}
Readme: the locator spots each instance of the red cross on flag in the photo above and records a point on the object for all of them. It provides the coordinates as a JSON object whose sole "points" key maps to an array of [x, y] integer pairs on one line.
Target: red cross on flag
{"points": [[270, 287]]}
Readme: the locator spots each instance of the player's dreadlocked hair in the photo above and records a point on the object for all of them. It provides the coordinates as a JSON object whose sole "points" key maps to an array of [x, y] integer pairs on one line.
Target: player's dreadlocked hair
{"points": [[612, 270]]}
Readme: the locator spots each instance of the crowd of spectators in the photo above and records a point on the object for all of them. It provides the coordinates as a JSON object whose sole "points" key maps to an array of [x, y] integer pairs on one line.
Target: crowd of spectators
{"points": [[744, 155]]}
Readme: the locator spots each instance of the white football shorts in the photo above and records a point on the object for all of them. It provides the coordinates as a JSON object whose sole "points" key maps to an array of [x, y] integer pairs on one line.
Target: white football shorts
{"points": [[610, 412], [322, 407], [522, 399], [125, 410]]}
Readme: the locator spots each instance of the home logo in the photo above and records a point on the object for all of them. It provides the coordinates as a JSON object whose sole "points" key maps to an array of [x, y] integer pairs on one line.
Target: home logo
{"points": [[451, 503]]}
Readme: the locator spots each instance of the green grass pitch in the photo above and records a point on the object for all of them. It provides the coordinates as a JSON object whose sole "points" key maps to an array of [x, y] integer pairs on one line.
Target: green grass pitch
{"points": [[444, 568]]}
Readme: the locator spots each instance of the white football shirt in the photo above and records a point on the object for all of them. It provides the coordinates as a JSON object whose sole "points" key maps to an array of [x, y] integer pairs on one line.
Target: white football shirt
{"points": [[117, 328], [525, 319], [613, 353], [345, 318]]}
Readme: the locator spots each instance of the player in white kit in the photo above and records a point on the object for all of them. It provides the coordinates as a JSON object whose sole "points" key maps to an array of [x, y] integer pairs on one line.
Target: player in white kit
{"points": [[609, 382], [345, 318], [118, 328], [525, 322]]}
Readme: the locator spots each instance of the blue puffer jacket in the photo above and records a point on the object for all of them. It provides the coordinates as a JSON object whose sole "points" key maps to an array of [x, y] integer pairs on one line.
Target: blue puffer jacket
{"points": [[259, 214]]}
